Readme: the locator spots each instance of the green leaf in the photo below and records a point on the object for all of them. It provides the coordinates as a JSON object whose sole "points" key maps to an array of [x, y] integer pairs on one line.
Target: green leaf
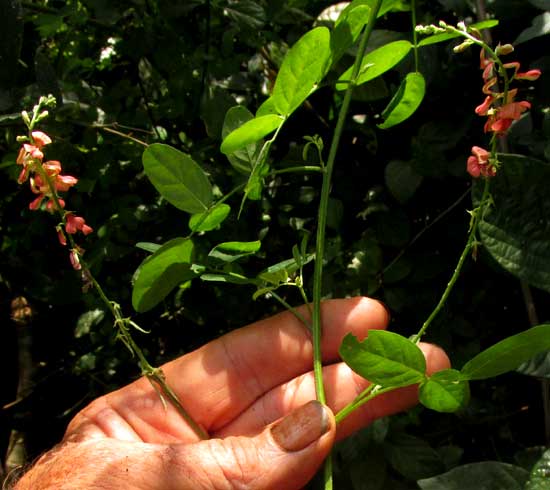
{"points": [[243, 159], [209, 219], [250, 132], [348, 27], [539, 27], [247, 13], [231, 278], [231, 251], [401, 179], [376, 63], [446, 36], [539, 478], [411, 456], [405, 102], [489, 475], [267, 107], [148, 246], [177, 178], [444, 391], [303, 67], [516, 231], [384, 358], [508, 354], [158, 274]]}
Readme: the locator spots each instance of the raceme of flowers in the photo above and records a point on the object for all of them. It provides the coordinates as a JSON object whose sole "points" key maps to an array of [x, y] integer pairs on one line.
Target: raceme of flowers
{"points": [[500, 108], [46, 181]]}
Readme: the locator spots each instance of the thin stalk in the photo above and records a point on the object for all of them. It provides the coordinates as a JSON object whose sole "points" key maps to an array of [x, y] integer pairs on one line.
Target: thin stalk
{"points": [[323, 207], [371, 392], [321, 229], [415, 34], [155, 375], [293, 310], [470, 242]]}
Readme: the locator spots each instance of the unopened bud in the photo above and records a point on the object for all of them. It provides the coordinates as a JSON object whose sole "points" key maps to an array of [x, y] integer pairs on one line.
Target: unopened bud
{"points": [[43, 114], [463, 46], [26, 118], [462, 26], [503, 49], [22, 139]]}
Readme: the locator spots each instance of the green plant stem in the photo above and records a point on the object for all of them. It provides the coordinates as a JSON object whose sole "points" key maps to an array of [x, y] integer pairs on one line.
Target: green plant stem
{"points": [[321, 228], [154, 375], [371, 392], [415, 34], [302, 168], [470, 242], [323, 207], [293, 310]]}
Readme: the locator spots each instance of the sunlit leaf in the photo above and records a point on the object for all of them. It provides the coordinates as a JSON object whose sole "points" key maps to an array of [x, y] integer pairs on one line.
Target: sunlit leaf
{"points": [[161, 272], [250, 132], [376, 63], [244, 158], [444, 391], [508, 354], [231, 251], [303, 67], [177, 178], [384, 358], [349, 25], [405, 102], [209, 219]]}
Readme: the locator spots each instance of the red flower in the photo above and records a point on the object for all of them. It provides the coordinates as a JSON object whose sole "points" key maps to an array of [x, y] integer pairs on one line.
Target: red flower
{"points": [[528, 75], [478, 164], [76, 223], [40, 139]]}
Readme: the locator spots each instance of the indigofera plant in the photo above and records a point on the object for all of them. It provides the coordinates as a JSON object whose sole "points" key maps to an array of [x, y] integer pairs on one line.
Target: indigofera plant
{"points": [[387, 359]]}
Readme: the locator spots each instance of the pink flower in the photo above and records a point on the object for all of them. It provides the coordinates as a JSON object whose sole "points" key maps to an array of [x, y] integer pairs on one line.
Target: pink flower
{"points": [[61, 236], [478, 164], [482, 109], [33, 152], [40, 139], [35, 204], [76, 223], [528, 75], [64, 182], [75, 260], [52, 167]]}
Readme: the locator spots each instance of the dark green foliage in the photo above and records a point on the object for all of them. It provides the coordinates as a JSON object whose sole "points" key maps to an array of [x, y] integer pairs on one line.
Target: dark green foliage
{"points": [[167, 73]]}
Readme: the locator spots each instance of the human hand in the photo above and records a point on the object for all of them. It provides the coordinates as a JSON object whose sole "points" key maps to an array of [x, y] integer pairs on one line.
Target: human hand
{"points": [[251, 390]]}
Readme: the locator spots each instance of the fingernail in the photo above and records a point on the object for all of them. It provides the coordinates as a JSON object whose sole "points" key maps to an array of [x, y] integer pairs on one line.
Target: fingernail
{"points": [[302, 427]]}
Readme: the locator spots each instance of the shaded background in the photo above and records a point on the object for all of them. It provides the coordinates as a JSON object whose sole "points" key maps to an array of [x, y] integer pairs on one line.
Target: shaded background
{"points": [[168, 71]]}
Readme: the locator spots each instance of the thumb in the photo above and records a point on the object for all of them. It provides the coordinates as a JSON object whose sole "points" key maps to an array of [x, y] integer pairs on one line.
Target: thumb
{"points": [[285, 456]]}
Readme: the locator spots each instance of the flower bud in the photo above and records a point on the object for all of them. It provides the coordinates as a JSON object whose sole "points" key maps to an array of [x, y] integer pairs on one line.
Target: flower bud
{"points": [[503, 49], [463, 46], [26, 118]]}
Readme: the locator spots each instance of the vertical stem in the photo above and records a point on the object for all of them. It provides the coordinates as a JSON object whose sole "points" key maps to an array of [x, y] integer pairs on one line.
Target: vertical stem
{"points": [[323, 207], [321, 228], [415, 35], [470, 242]]}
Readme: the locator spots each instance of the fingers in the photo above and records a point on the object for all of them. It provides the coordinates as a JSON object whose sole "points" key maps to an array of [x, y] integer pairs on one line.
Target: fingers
{"points": [[284, 456], [221, 379], [342, 386]]}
